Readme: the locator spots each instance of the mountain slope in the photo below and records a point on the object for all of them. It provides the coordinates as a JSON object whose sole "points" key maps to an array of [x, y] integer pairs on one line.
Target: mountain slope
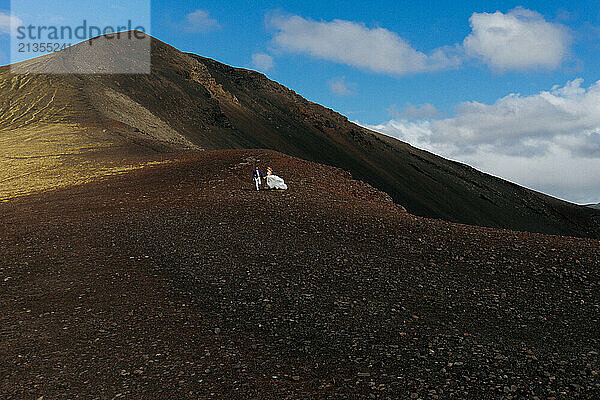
{"points": [[190, 103], [183, 282]]}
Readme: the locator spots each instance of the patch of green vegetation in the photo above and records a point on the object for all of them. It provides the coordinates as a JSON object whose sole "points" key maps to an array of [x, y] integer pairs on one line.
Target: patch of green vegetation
{"points": [[42, 157]]}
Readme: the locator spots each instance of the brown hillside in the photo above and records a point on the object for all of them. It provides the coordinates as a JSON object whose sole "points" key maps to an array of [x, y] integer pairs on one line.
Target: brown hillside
{"points": [[61, 129], [183, 282]]}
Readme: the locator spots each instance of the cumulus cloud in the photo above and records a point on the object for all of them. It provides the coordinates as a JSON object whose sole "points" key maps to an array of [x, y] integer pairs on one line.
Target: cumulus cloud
{"points": [[549, 141], [200, 21], [351, 43], [339, 86], [561, 114], [519, 39], [262, 61], [412, 112], [6, 21]]}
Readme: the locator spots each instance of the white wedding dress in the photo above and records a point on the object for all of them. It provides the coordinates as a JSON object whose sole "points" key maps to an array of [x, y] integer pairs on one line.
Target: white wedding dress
{"points": [[275, 182]]}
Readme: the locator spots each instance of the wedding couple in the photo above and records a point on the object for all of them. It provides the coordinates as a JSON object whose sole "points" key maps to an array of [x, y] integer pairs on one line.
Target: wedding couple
{"points": [[273, 181]]}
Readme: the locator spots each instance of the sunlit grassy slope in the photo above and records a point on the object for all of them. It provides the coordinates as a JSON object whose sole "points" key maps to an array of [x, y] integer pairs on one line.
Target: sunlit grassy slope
{"points": [[54, 134], [47, 156]]}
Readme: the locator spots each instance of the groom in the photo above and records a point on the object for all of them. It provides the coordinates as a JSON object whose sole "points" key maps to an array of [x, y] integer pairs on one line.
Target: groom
{"points": [[257, 175]]}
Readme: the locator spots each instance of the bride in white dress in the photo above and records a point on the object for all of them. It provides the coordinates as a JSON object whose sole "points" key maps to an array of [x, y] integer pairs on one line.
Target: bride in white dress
{"points": [[275, 182]]}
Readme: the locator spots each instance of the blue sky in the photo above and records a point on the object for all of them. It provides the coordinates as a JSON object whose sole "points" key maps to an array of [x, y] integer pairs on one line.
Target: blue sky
{"points": [[506, 86]]}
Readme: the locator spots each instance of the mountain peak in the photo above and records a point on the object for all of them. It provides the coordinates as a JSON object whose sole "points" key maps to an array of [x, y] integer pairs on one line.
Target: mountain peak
{"points": [[126, 52]]}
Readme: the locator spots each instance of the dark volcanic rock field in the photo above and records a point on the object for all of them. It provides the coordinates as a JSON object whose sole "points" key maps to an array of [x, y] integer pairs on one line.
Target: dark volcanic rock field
{"points": [[180, 281]]}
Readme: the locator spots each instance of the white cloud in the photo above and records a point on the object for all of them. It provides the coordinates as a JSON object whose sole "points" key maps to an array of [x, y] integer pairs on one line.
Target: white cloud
{"points": [[418, 133], [561, 114], [339, 86], [200, 21], [351, 43], [549, 141], [263, 62], [519, 39], [6, 20]]}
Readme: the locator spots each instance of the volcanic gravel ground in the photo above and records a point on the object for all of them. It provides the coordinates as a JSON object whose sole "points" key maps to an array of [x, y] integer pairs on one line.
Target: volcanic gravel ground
{"points": [[180, 281]]}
